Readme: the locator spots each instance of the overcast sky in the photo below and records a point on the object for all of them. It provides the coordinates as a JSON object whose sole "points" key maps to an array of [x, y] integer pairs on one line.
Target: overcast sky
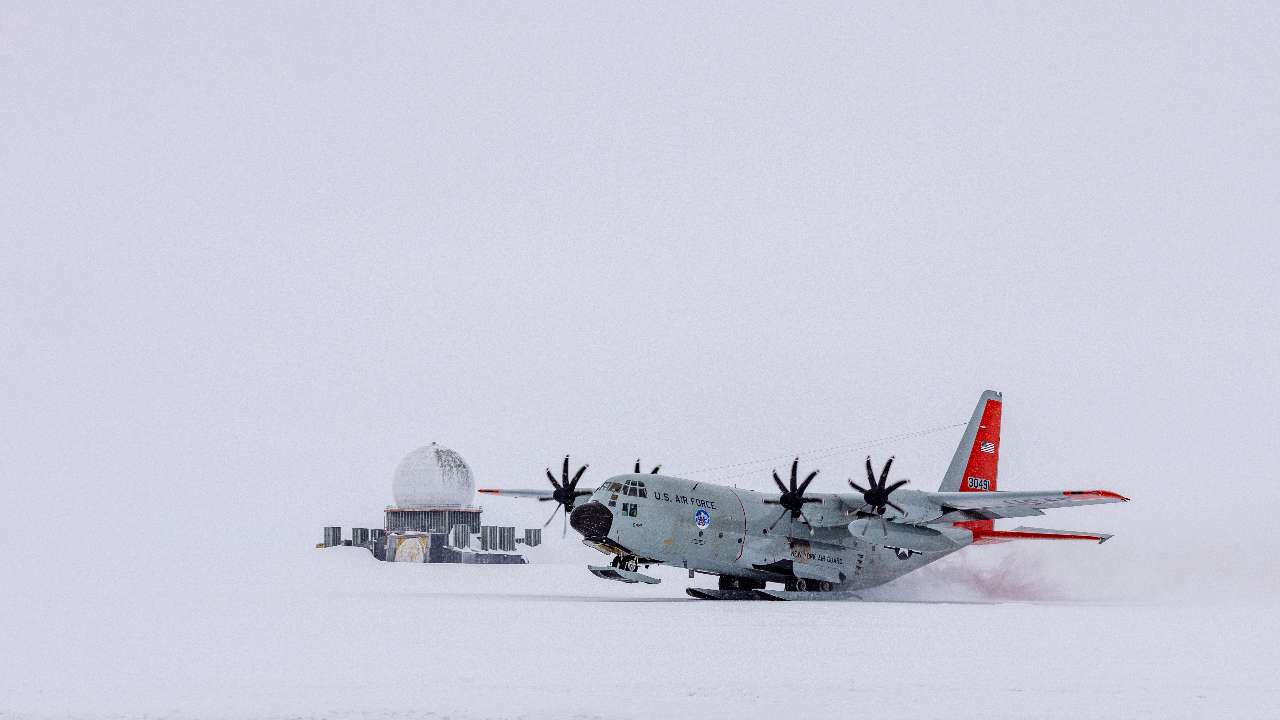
{"points": [[252, 255]]}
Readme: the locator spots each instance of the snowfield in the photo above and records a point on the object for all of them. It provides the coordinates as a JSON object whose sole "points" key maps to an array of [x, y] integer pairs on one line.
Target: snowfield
{"points": [[335, 634]]}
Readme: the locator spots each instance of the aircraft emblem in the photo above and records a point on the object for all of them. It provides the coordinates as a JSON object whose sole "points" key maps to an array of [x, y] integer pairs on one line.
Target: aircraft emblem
{"points": [[702, 518]]}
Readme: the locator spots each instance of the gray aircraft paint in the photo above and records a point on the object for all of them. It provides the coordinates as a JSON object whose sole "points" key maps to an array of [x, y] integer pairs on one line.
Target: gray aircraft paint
{"points": [[665, 530], [727, 531]]}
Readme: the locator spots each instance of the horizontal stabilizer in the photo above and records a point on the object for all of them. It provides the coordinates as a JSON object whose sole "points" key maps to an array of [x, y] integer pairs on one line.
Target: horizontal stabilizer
{"points": [[1064, 534], [987, 537]]}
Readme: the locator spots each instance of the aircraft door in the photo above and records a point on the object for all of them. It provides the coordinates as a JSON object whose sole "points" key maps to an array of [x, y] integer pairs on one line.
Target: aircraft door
{"points": [[727, 537], [674, 545]]}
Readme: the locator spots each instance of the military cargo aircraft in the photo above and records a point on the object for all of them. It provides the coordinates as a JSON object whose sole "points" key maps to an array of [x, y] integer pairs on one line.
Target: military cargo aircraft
{"points": [[818, 546]]}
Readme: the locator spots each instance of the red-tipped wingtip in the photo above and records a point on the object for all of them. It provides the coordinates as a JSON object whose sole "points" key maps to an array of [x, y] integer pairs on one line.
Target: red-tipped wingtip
{"points": [[1097, 493]]}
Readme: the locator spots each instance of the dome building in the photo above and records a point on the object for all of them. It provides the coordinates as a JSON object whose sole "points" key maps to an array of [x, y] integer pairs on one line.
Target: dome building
{"points": [[433, 488]]}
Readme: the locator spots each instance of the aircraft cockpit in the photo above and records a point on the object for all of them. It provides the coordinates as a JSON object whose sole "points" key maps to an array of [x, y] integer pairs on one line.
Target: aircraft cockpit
{"points": [[631, 488]]}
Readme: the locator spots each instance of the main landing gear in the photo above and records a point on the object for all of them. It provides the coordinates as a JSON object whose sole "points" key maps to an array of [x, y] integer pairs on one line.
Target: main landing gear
{"points": [[733, 588], [626, 562], [803, 585], [728, 582]]}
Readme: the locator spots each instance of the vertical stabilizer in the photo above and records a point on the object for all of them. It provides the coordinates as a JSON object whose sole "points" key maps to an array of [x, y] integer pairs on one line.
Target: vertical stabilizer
{"points": [[974, 466]]}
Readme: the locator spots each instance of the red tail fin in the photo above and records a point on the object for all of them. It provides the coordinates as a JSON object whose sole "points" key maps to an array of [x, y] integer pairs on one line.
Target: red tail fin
{"points": [[973, 469]]}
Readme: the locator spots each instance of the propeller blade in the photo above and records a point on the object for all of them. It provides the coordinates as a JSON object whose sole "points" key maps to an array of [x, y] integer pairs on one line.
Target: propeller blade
{"points": [[884, 474], [895, 507], [782, 488], [856, 486], [577, 477], [771, 502], [809, 500], [808, 480], [805, 519], [656, 468], [884, 526], [794, 465], [775, 522], [552, 478], [871, 475], [637, 466], [895, 486], [564, 532], [565, 474], [553, 516]]}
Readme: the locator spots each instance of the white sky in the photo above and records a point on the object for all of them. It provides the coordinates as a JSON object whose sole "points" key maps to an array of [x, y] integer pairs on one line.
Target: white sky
{"points": [[250, 256]]}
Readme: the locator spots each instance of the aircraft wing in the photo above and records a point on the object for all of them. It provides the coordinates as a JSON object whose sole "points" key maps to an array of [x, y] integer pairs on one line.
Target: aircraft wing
{"points": [[963, 506], [539, 494]]}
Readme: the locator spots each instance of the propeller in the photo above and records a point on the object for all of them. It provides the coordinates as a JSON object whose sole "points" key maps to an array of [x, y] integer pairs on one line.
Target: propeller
{"points": [[793, 499], [654, 472], [566, 493], [876, 496]]}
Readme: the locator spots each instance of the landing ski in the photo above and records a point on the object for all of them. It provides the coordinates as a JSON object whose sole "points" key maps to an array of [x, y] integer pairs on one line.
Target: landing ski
{"points": [[794, 595], [709, 594], [613, 573]]}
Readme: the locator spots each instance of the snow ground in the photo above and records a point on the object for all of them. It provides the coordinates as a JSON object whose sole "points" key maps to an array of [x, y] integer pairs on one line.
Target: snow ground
{"points": [[333, 633]]}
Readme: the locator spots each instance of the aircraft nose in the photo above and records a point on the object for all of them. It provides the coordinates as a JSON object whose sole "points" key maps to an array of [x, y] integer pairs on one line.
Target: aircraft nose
{"points": [[593, 520]]}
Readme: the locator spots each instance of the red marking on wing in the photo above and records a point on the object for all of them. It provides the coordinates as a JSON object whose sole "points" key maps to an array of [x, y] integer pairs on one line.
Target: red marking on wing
{"points": [[984, 533], [492, 492], [999, 536], [1098, 493]]}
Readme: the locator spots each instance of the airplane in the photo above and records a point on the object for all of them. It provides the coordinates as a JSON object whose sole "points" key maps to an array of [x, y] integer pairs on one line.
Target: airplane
{"points": [[819, 546]]}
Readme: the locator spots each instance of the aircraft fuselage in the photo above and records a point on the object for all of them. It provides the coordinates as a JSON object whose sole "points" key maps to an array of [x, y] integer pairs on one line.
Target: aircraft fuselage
{"points": [[732, 532]]}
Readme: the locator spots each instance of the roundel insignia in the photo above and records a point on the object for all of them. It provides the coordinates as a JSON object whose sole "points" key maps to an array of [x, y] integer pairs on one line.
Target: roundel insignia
{"points": [[703, 519]]}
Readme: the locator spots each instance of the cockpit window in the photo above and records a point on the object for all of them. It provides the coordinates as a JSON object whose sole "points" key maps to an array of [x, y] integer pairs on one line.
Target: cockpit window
{"points": [[633, 488]]}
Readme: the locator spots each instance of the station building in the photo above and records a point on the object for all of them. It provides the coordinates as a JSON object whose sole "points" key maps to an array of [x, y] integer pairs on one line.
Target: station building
{"points": [[433, 519], [433, 488]]}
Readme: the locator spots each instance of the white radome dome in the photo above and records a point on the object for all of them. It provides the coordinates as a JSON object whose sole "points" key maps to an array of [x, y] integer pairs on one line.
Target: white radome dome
{"points": [[433, 476]]}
